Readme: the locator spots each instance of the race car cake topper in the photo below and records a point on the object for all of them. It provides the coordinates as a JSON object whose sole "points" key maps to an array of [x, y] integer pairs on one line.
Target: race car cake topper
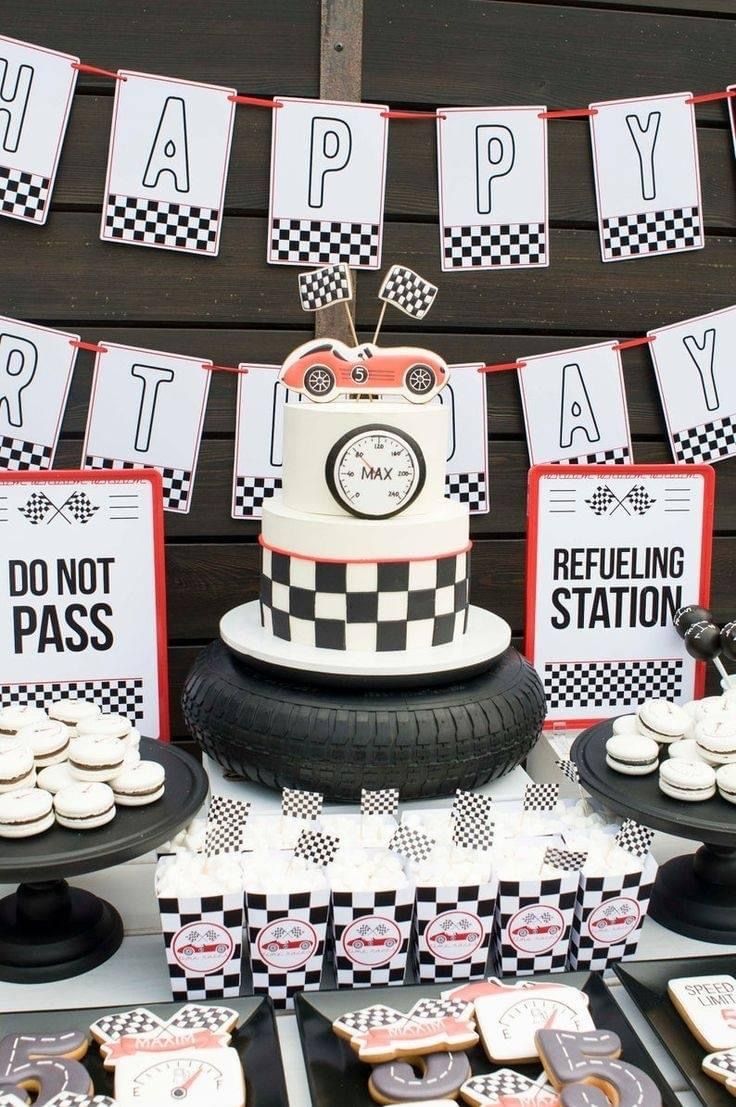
{"points": [[325, 368]]}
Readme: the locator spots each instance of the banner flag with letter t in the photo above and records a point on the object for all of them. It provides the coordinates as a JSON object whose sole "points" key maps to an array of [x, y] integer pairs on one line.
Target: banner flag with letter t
{"points": [[647, 176], [168, 163], [328, 178], [36, 90]]}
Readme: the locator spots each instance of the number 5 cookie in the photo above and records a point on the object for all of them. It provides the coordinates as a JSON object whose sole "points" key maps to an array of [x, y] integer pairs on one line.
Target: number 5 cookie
{"points": [[45, 1065], [586, 1070]]}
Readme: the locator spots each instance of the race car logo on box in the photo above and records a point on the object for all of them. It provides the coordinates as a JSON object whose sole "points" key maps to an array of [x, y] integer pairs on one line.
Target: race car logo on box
{"points": [[286, 943], [454, 935], [536, 929], [371, 940], [202, 947], [613, 920]]}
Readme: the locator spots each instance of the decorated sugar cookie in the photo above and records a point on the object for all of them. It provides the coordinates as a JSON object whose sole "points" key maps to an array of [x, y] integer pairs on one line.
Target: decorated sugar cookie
{"points": [[439, 1074], [589, 1062], [379, 1033], [722, 1067], [44, 1066], [506, 1088], [708, 1006]]}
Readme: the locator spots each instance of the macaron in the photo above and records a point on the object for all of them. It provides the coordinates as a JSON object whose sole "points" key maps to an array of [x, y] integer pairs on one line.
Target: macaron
{"points": [[107, 726], [55, 777], [96, 757], [84, 806], [726, 782], [16, 767], [687, 780], [663, 721], [142, 784], [48, 741], [25, 812], [632, 754], [13, 718], [716, 739], [686, 748], [70, 712], [132, 739], [626, 724]]}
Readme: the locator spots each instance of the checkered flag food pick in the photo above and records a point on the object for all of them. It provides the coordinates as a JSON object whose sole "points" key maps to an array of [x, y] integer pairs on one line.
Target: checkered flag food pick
{"points": [[569, 860], [301, 805], [36, 508], [411, 843], [227, 811], [568, 769], [407, 291], [472, 835], [602, 500], [318, 848], [541, 797], [222, 838], [322, 287], [634, 837], [472, 807], [385, 801], [639, 500], [80, 506]]}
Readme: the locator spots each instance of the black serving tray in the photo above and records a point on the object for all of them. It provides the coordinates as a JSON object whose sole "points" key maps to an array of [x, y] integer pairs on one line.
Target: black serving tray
{"points": [[336, 1076], [255, 1040], [646, 982]]}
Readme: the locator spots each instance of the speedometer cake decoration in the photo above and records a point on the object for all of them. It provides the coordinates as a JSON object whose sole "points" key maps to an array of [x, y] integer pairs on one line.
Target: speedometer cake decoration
{"points": [[375, 471]]}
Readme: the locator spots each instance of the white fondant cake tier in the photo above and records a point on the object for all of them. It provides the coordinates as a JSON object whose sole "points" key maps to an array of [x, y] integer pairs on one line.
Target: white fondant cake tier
{"points": [[437, 533], [311, 431]]}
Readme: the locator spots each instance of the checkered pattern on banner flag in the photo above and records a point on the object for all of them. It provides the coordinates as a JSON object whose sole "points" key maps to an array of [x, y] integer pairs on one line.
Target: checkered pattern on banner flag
{"points": [[499, 244], [621, 455], [541, 797], [376, 1017], [568, 769], [222, 838], [309, 908], [228, 811], [17, 454], [634, 837], [616, 930], [321, 242], [431, 1009], [316, 847], [36, 508], [23, 195], [385, 801], [468, 488], [472, 806], [602, 500], [161, 223], [301, 805], [707, 441], [122, 697], [472, 835], [407, 291], [225, 911], [177, 483], [251, 493], [140, 1020], [411, 843], [194, 1016], [565, 858], [651, 232], [492, 1088], [377, 909], [322, 287], [611, 684]]}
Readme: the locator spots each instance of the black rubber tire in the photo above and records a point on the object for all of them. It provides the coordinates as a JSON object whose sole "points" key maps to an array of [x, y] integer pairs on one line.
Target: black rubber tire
{"points": [[425, 742]]}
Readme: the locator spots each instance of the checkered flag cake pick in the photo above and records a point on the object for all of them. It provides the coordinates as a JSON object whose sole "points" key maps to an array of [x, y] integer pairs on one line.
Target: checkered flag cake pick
{"points": [[472, 806], [225, 810], [301, 805], [541, 797], [568, 769], [385, 801], [472, 835], [567, 859], [411, 843], [318, 848], [322, 287], [407, 291], [223, 838], [634, 837]]}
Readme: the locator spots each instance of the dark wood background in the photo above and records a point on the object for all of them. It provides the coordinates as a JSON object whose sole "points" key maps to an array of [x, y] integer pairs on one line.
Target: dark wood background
{"points": [[416, 54]]}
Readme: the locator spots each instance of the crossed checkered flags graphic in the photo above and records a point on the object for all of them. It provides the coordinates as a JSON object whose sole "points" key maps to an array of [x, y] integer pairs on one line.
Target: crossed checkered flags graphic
{"points": [[636, 500], [78, 505], [407, 291], [634, 837], [384, 801], [330, 285]]}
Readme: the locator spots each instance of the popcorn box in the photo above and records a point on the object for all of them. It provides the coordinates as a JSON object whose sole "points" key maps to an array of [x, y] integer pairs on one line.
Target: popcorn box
{"points": [[608, 917], [372, 933], [287, 936], [532, 924], [453, 925], [203, 938]]}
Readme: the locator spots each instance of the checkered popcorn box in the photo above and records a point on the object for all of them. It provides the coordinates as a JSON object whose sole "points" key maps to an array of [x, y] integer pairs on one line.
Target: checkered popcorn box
{"points": [[533, 922], [203, 933], [610, 908], [287, 938], [454, 923], [372, 935]]}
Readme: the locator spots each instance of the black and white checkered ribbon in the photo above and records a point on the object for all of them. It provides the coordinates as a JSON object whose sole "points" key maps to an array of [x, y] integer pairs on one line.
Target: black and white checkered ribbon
{"points": [[568, 769], [411, 843], [296, 804], [634, 837], [566, 859], [472, 807], [322, 287], [541, 797], [385, 801], [472, 835], [407, 291], [316, 847], [227, 811]]}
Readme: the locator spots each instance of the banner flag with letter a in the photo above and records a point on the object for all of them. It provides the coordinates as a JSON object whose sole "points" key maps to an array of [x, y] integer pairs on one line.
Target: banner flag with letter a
{"points": [[146, 412], [36, 90], [168, 163], [328, 178], [492, 169], [575, 407], [647, 176]]}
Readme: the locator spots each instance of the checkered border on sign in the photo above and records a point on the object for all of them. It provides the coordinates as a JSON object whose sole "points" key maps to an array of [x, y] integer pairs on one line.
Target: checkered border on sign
{"points": [[311, 907], [651, 232], [16, 455], [611, 684], [480, 900], [177, 483], [122, 697], [23, 195], [396, 904], [160, 223], [340, 606], [706, 442], [559, 892], [321, 242], [585, 953], [226, 911], [621, 455], [468, 488], [250, 493], [486, 246]]}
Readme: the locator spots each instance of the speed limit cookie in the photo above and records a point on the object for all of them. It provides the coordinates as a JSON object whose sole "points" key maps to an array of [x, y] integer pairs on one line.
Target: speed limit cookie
{"points": [[708, 1005]]}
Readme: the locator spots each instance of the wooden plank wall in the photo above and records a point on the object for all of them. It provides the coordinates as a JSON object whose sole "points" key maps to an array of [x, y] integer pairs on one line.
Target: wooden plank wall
{"points": [[416, 54]]}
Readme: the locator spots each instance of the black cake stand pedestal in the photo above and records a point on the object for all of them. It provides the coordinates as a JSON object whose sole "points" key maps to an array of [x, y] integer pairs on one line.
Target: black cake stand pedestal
{"points": [[51, 931], [694, 894]]}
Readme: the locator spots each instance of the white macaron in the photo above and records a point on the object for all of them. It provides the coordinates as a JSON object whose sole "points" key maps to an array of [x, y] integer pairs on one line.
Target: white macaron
{"points": [[663, 721], [107, 726], [16, 767], [691, 781], [726, 782], [84, 806], [716, 739], [139, 785], [48, 741], [25, 812], [687, 749], [71, 711], [632, 754], [55, 777], [626, 724], [96, 757], [13, 718]]}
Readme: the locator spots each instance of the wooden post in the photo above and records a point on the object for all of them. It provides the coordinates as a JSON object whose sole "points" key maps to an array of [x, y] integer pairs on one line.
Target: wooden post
{"points": [[341, 78]]}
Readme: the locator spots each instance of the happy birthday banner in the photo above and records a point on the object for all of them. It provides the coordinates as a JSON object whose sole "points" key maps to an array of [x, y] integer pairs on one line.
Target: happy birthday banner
{"points": [[170, 150]]}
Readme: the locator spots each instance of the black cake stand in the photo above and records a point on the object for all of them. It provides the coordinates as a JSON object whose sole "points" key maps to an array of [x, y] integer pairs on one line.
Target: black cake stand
{"points": [[694, 894], [50, 931]]}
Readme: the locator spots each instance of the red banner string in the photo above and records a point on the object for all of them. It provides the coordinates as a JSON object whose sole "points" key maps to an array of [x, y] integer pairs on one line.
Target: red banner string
{"points": [[629, 343], [706, 97], [412, 115], [224, 369], [567, 113], [98, 72], [95, 349], [501, 366], [255, 101]]}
